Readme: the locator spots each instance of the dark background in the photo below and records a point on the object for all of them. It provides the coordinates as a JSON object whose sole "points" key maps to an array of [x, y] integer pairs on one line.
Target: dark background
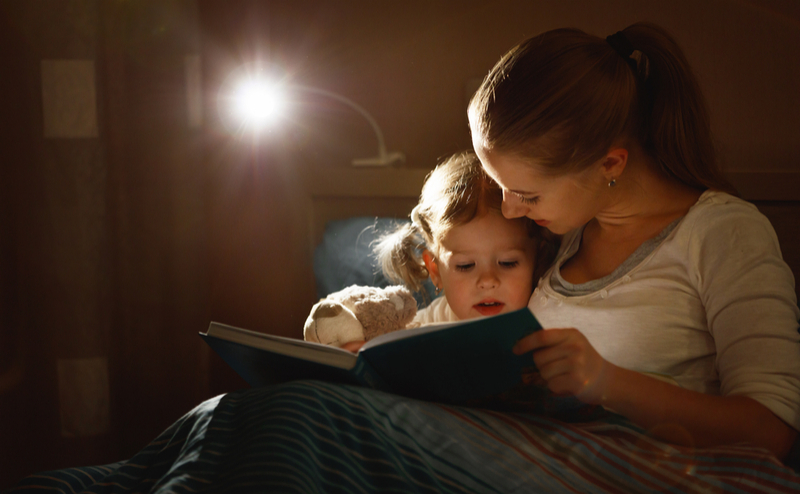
{"points": [[120, 248]]}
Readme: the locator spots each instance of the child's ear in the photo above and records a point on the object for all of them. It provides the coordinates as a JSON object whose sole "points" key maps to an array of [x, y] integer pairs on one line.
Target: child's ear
{"points": [[432, 267]]}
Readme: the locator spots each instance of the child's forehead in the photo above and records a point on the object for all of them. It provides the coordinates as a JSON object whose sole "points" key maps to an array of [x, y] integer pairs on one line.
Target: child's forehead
{"points": [[489, 231]]}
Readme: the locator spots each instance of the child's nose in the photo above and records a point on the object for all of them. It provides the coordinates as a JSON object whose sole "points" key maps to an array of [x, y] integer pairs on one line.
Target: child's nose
{"points": [[488, 279]]}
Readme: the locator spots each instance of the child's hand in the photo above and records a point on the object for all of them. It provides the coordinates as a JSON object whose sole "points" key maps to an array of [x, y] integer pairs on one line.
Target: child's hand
{"points": [[568, 363], [353, 346]]}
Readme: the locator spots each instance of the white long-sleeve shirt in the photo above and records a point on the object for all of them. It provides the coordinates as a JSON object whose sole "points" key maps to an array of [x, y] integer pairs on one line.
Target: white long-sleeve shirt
{"points": [[438, 311], [712, 307]]}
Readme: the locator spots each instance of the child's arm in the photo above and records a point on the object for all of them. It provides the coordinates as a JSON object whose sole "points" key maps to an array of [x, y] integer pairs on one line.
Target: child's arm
{"points": [[569, 364]]}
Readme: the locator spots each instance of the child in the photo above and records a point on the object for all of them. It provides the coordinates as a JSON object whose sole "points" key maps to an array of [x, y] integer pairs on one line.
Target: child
{"points": [[484, 263]]}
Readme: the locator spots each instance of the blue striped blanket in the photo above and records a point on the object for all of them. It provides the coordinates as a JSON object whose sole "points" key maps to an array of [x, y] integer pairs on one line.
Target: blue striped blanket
{"points": [[309, 437]]}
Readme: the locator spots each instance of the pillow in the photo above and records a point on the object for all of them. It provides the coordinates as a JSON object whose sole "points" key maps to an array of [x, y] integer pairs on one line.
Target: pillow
{"points": [[344, 257]]}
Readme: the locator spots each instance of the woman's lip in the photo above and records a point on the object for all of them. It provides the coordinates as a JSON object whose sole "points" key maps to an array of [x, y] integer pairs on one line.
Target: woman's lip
{"points": [[541, 222]]}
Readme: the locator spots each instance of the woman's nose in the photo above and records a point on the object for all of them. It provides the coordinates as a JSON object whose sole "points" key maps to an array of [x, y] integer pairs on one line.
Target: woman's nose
{"points": [[512, 207]]}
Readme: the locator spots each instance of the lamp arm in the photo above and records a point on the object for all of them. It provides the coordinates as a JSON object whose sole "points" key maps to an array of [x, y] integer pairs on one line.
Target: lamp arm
{"points": [[384, 158]]}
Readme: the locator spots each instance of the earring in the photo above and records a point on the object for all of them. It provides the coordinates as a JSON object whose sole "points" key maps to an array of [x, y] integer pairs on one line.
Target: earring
{"points": [[613, 182], [437, 290]]}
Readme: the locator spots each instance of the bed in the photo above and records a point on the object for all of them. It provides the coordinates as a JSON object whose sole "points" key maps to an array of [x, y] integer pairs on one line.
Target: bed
{"points": [[317, 437], [311, 436]]}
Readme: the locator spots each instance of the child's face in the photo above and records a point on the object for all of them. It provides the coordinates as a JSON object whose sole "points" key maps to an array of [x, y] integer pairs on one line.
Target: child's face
{"points": [[485, 267]]}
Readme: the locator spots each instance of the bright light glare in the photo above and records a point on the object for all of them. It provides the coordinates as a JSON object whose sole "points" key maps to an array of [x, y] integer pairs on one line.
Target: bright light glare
{"points": [[258, 102]]}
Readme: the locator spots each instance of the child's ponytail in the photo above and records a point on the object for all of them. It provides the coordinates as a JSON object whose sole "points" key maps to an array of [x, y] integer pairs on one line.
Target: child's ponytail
{"points": [[399, 256], [676, 127]]}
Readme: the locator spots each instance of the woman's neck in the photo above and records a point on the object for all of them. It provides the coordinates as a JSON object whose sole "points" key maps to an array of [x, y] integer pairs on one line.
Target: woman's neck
{"points": [[644, 201]]}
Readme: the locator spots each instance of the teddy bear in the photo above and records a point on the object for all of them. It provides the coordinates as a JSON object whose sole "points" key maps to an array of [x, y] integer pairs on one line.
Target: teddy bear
{"points": [[359, 313]]}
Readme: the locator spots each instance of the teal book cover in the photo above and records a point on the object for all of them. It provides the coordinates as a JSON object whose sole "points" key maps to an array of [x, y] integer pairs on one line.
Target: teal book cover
{"points": [[455, 363]]}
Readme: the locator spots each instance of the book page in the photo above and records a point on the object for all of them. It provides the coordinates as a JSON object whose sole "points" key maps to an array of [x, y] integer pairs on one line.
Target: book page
{"points": [[324, 354]]}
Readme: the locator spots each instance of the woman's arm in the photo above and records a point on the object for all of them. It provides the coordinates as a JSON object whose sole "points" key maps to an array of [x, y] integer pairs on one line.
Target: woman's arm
{"points": [[690, 418], [570, 365]]}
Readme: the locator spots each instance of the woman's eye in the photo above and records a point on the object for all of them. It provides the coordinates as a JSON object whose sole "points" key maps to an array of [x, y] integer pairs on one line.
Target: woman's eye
{"points": [[464, 267], [509, 264], [529, 200]]}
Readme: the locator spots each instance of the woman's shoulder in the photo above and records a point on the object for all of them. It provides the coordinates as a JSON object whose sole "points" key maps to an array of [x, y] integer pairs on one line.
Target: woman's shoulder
{"points": [[716, 202], [719, 215], [714, 207]]}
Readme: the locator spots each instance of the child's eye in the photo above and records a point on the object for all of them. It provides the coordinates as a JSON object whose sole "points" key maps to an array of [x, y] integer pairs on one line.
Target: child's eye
{"points": [[464, 267], [509, 264], [528, 200]]}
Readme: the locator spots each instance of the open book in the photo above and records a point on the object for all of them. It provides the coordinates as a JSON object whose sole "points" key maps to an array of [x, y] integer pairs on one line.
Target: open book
{"points": [[454, 363]]}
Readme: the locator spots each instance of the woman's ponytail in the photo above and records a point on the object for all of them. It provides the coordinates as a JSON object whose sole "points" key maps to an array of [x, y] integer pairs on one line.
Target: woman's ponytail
{"points": [[563, 98], [676, 127]]}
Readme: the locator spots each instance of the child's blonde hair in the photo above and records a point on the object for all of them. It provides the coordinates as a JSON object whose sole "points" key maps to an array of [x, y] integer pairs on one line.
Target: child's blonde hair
{"points": [[454, 193]]}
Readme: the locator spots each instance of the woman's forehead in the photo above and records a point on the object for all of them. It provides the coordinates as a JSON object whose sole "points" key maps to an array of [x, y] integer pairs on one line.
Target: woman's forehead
{"points": [[522, 175], [510, 172]]}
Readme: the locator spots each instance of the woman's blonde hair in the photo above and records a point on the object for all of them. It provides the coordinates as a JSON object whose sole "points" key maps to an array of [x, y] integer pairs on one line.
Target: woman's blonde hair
{"points": [[454, 193], [564, 98]]}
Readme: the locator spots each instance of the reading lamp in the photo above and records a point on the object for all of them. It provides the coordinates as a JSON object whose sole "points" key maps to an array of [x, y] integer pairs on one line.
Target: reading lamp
{"points": [[259, 102]]}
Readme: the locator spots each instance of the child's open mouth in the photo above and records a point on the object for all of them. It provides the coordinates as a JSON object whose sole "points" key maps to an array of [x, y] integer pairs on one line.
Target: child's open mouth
{"points": [[489, 307]]}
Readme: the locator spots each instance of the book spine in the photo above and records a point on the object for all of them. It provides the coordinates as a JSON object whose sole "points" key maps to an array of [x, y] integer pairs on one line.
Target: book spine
{"points": [[367, 375]]}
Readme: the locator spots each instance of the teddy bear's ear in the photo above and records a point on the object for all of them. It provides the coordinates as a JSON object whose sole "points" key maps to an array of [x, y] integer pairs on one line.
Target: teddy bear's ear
{"points": [[322, 309], [327, 310]]}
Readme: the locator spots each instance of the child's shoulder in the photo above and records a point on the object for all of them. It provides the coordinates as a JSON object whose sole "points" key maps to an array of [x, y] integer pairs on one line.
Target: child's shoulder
{"points": [[437, 311]]}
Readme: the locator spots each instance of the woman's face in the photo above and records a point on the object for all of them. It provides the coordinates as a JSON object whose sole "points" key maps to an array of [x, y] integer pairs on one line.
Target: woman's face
{"points": [[558, 203]]}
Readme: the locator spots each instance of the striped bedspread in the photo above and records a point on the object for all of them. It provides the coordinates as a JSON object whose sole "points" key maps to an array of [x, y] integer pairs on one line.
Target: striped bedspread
{"points": [[310, 437]]}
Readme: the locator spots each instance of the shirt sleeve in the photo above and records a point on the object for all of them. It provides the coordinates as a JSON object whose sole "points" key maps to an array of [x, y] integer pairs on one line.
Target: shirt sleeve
{"points": [[749, 295]]}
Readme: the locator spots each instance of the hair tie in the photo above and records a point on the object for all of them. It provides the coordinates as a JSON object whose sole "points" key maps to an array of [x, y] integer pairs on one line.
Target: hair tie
{"points": [[635, 58]]}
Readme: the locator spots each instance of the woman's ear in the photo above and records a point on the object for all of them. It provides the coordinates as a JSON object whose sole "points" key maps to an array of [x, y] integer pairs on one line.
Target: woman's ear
{"points": [[432, 267], [614, 164]]}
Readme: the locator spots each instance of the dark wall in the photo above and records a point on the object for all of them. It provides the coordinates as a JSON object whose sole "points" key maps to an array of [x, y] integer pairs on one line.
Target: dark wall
{"points": [[104, 251]]}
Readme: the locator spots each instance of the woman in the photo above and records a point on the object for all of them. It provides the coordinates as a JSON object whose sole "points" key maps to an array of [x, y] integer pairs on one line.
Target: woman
{"points": [[673, 304]]}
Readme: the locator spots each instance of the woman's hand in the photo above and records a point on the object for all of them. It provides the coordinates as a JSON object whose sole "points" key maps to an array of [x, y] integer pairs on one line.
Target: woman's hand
{"points": [[568, 363]]}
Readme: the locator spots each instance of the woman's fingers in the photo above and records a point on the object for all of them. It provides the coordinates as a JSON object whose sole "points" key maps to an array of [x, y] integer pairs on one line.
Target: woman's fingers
{"points": [[539, 339], [566, 361]]}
